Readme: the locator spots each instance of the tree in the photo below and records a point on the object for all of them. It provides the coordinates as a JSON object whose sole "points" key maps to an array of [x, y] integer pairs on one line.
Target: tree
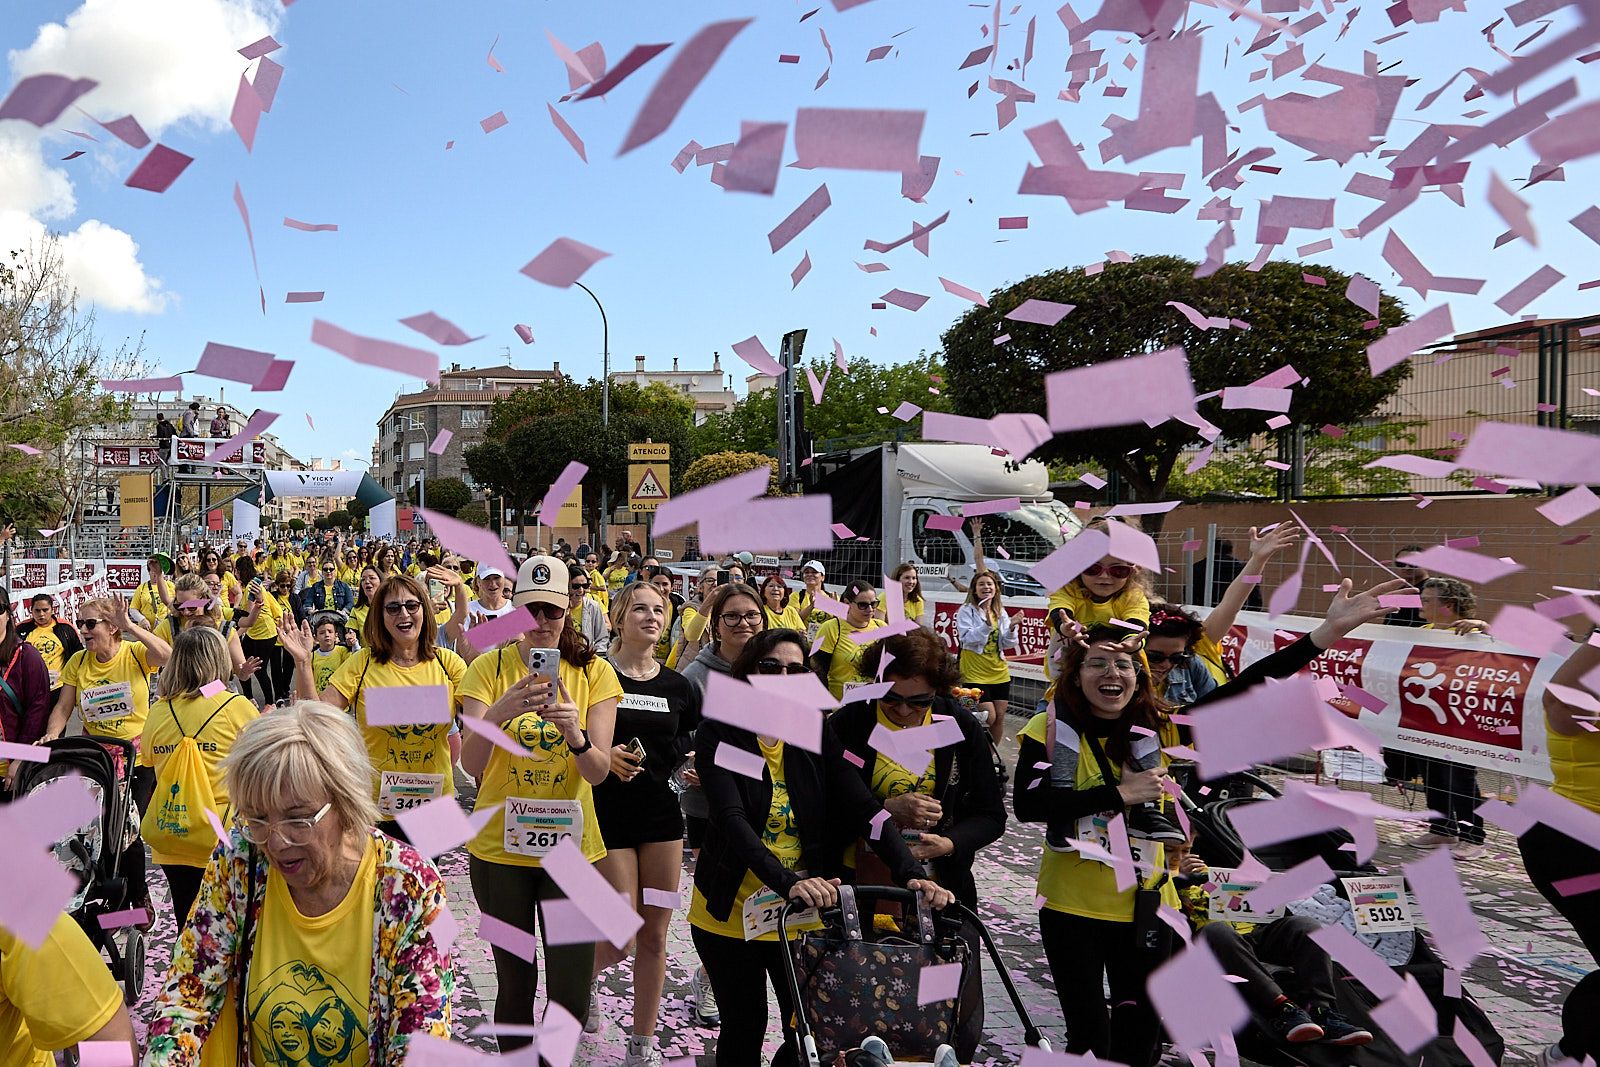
{"points": [[339, 520], [445, 495], [533, 433], [1122, 311], [475, 513], [51, 363], [849, 407], [720, 465], [297, 525], [357, 509]]}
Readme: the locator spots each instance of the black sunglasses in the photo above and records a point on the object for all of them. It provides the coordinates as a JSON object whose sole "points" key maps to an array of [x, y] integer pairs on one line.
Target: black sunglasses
{"points": [[395, 607], [894, 699], [547, 611], [1177, 659], [772, 666], [88, 624], [865, 605]]}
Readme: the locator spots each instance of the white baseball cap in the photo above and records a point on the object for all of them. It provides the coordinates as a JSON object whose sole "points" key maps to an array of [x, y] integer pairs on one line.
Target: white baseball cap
{"points": [[815, 565]]}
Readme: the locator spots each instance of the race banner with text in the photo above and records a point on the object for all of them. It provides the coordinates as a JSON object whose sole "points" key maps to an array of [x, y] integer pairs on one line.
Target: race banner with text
{"points": [[1464, 699], [68, 582]]}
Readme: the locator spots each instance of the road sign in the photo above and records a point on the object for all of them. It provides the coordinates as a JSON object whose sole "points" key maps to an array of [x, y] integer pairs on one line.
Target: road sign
{"points": [[650, 485], [649, 452]]}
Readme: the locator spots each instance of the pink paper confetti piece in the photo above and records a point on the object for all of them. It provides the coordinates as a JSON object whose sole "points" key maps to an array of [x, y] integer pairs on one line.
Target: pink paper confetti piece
{"points": [[1452, 927], [1071, 559], [637, 56], [311, 227], [268, 75], [469, 541], [1198, 1005], [563, 262], [801, 269], [439, 330], [250, 238], [127, 130], [1397, 345], [1120, 392], [1570, 506], [253, 427], [735, 759], [682, 76], [753, 352], [116, 920], [1468, 566], [493, 122], [560, 492], [938, 982], [412, 362], [440, 443], [512, 939], [212, 688], [903, 299], [257, 49], [965, 293], [858, 138], [588, 889], [158, 170], [246, 114], [488, 730], [444, 929], [41, 98], [801, 217], [661, 898], [306, 297], [1529, 289], [10, 750], [849, 756], [233, 364], [407, 705], [566, 131], [757, 157], [525, 332]]}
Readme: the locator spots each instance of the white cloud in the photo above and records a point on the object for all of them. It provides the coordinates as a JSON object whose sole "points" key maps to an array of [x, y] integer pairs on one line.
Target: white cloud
{"points": [[162, 61], [102, 261]]}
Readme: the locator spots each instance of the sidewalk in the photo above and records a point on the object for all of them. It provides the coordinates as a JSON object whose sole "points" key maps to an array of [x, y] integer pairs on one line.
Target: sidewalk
{"points": [[1536, 956]]}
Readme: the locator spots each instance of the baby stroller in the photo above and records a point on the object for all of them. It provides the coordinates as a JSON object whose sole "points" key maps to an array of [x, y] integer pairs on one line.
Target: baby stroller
{"points": [[850, 981], [93, 852], [1219, 842]]}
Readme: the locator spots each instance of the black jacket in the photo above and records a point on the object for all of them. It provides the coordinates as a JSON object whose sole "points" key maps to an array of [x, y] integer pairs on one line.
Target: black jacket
{"points": [[1036, 799], [64, 631], [831, 809], [965, 785]]}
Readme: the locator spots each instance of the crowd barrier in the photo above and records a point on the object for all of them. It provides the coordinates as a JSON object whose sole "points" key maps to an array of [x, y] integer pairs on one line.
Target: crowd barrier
{"points": [[71, 582], [1461, 699]]}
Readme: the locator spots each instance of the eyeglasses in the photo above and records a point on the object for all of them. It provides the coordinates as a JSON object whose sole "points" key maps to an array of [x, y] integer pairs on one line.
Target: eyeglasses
{"points": [[547, 611], [1177, 659], [1115, 570], [865, 605], [395, 607], [1121, 666], [749, 618], [922, 702], [772, 666], [88, 624], [578, 587], [292, 832]]}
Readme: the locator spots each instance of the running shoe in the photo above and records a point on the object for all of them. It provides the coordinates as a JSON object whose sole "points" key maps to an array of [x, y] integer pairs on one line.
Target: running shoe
{"points": [[592, 1024], [642, 1052], [1148, 822], [1289, 1022], [1336, 1029], [705, 1001], [945, 1056], [1432, 839], [878, 1049]]}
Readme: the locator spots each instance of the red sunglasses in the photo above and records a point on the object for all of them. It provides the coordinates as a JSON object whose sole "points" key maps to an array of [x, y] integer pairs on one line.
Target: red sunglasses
{"points": [[1116, 570]]}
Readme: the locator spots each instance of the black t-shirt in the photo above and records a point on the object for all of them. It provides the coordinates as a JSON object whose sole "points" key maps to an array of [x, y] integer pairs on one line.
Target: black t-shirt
{"points": [[663, 714]]}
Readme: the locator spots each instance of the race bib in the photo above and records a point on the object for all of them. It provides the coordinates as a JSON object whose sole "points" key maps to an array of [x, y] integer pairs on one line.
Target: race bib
{"points": [[762, 910], [55, 679], [644, 702], [400, 791], [1226, 896], [1380, 905], [535, 827], [103, 703], [1097, 830]]}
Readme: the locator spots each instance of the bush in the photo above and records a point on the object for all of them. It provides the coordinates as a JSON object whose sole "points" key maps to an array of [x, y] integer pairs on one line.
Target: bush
{"points": [[475, 513], [339, 520], [720, 465], [297, 525]]}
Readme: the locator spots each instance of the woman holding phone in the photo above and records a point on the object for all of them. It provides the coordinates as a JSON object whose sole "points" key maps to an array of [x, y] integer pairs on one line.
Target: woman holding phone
{"points": [[638, 811], [558, 700]]}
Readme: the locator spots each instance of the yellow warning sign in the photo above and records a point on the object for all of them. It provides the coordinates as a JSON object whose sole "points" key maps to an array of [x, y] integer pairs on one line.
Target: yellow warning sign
{"points": [[651, 484]]}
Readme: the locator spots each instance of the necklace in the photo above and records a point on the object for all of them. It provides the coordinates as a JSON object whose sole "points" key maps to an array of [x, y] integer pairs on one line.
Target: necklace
{"points": [[655, 666]]}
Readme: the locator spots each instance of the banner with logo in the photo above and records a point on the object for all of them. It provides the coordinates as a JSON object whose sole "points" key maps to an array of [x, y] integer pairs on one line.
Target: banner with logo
{"points": [[127, 456], [196, 449], [1466, 699], [68, 582], [315, 483]]}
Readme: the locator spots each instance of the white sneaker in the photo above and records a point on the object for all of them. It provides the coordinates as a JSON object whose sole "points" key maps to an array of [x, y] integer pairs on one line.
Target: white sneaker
{"points": [[1551, 1057], [1467, 850], [945, 1057], [705, 1001], [642, 1052], [876, 1047], [592, 1024], [1432, 840]]}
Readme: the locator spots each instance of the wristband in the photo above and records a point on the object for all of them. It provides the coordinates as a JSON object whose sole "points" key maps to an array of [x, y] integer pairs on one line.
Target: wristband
{"points": [[587, 744]]}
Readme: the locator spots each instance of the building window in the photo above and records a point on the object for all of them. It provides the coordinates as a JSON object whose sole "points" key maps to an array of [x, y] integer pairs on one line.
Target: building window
{"points": [[472, 417]]}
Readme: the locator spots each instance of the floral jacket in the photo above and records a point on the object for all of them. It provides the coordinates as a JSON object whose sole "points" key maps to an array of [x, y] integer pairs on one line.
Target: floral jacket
{"points": [[412, 978]]}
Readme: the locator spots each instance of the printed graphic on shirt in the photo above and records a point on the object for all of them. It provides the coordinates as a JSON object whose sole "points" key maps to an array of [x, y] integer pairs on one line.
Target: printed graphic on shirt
{"points": [[304, 1017]]}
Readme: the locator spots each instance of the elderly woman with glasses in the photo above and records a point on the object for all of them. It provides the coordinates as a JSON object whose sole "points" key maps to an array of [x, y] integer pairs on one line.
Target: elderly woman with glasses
{"points": [[837, 660], [312, 937], [415, 759], [778, 837], [584, 612]]}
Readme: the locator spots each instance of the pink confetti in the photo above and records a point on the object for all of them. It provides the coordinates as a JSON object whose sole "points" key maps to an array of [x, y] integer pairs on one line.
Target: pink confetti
{"points": [[158, 170], [494, 122]]}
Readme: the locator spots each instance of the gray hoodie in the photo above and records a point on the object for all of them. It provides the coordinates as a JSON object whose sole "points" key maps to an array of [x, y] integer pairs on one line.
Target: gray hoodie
{"points": [[706, 662]]}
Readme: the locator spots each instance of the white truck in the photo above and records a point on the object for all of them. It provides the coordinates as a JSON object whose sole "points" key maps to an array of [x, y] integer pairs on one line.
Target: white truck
{"points": [[888, 494]]}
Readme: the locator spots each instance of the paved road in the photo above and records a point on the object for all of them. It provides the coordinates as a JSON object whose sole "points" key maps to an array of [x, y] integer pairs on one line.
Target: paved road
{"points": [[1536, 956]]}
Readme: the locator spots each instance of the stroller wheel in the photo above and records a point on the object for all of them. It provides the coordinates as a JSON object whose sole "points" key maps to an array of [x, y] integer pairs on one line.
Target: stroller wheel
{"points": [[133, 965]]}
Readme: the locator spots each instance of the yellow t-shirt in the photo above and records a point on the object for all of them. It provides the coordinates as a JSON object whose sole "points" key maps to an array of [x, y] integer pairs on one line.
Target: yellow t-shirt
{"points": [[358, 620], [778, 834], [549, 773], [988, 667], [1130, 605], [147, 602], [51, 650], [664, 642], [347, 575], [915, 608], [598, 591], [1575, 761], [266, 626], [1078, 886], [228, 713], [311, 978], [413, 761], [53, 996], [113, 697], [889, 779], [323, 664], [845, 668], [787, 619], [616, 578], [1210, 653]]}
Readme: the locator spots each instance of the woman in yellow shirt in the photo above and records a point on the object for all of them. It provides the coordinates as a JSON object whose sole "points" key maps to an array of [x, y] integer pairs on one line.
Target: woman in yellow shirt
{"points": [[415, 755], [183, 847], [546, 796], [838, 658], [260, 625], [986, 633], [58, 995], [365, 591], [775, 603], [911, 592]]}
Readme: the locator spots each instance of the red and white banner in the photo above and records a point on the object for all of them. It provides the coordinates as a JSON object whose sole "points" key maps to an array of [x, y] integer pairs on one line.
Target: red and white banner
{"points": [[75, 582], [1466, 699], [127, 456]]}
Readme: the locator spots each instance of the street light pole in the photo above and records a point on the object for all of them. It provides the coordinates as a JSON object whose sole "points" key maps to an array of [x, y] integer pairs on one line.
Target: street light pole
{"points": [[605, 403]]}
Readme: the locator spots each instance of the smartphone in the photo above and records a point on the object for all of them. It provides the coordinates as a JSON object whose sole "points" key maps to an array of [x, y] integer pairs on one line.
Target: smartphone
{"points": [[546, 662], [636, 747]]}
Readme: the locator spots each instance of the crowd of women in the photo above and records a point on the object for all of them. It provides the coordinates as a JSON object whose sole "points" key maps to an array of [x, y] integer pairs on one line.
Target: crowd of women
{"points": [[312, 930]]}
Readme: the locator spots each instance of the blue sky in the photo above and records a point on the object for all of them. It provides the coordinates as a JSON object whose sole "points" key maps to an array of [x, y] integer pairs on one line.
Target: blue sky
{"points": [[373, 92]]}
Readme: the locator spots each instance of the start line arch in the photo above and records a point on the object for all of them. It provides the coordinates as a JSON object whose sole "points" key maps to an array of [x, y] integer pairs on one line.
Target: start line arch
{"points": [[320, 484]]}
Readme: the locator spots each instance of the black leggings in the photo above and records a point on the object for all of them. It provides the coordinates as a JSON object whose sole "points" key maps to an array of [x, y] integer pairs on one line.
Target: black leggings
{"points": [[132, 865], [1451, 789], [184, 884], [512, 894], [1551, 856], [740, 972], [282, 665], [266, 652], [1287, 943], [1082, 954]]}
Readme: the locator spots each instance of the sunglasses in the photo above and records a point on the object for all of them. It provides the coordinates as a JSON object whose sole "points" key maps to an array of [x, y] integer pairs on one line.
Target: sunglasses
{"points": [[88, 624], [395, 607], [772, 666], [1116, 570], [1177, 659], [865, 605], [578, 587], [894, 699], [550, 612]]}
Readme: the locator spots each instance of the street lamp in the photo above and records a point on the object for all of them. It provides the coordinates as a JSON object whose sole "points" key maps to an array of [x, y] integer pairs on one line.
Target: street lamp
{"points": [[605, 403]]}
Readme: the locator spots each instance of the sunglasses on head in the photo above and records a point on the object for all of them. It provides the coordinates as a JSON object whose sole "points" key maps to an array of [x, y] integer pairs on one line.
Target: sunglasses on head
{"points": [[894, 699], [772, 666], [1115, 570], [1177, 659]]}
